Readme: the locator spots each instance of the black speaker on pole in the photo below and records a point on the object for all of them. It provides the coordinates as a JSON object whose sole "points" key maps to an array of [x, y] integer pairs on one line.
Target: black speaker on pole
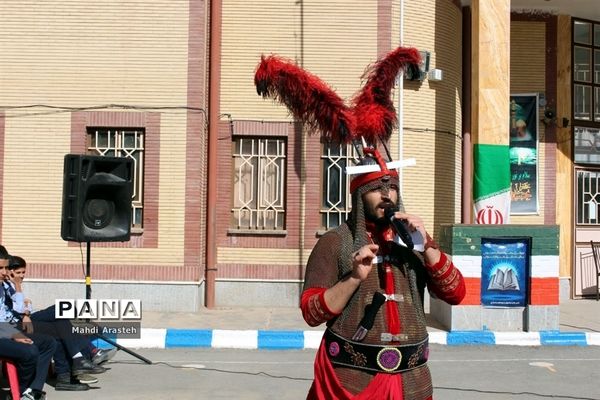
{"points": [[96, 198], [97, 208]]}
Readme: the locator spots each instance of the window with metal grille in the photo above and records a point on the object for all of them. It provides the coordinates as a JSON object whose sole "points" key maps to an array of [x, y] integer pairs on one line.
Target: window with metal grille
{"points": [[336, 201], [588, 197], [115, 142], [258, 183]]}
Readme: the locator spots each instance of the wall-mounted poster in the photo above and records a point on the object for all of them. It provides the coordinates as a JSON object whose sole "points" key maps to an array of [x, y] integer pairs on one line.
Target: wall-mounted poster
{"points": [[523, 153], [505, 271]]}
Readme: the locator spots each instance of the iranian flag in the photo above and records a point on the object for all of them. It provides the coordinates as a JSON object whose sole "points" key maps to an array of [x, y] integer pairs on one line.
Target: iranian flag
{"points": [[491, 186]]}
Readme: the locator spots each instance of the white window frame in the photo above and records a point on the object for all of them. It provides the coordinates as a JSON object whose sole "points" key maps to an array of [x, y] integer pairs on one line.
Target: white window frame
{"points": [[259, 181], [117, 145]]}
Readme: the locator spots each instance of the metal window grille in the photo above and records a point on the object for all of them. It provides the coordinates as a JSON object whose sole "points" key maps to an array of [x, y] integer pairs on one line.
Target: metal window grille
{"points": [[336, 201], [588, 197], [123, 143], [259, 182]]}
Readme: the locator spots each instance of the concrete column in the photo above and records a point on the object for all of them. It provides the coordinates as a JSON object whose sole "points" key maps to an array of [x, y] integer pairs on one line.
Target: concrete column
{"points": [[490, 96], [564, 163], [490, 71]]}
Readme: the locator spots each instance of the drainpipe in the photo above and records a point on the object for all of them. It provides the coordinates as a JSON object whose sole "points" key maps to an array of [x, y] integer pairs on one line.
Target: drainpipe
{"points": [[303, 145], [401, 106], [467, 152], [214, 98]]}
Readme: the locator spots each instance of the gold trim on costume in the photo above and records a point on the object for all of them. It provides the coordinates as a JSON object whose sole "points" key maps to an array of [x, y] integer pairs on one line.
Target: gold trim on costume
{"points": [[442, 270], [385, 350], [358, 359]]}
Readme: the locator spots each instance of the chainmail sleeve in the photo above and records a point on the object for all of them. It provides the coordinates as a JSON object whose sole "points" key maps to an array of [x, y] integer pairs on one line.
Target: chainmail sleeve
{"points": [[322, 266], [321, 274]]}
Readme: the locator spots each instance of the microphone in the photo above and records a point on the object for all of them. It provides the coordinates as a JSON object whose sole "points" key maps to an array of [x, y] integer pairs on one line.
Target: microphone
{"points": [[399, 227]]}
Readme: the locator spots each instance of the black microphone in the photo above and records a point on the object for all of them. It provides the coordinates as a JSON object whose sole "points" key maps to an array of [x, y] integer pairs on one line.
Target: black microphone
{"points": [[399, 227]]}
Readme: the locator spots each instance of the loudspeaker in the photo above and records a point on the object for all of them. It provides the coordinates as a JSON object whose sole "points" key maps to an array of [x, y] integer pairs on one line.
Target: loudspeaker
{"points": [[412, 73], [96, 198]]}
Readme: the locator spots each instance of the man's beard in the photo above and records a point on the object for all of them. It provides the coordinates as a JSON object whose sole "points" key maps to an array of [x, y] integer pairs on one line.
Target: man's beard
{"points": [[371, 214]]}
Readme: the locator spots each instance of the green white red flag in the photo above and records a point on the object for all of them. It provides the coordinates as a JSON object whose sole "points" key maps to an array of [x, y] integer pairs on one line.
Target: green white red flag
{"points": [[491, 184]]}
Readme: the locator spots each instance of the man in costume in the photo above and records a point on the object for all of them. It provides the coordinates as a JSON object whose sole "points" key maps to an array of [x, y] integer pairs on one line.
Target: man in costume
{"points": [[366, 278], [346, 268]]}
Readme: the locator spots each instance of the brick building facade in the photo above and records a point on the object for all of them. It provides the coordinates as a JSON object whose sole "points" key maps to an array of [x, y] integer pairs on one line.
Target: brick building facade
{"points": [[144, 67]]}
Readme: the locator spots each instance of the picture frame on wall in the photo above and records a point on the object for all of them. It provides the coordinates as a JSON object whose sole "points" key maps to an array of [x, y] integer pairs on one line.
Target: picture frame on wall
{"points": [[523, 153]]}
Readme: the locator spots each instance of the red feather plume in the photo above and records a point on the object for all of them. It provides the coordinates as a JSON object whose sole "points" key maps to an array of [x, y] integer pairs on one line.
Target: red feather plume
{"points": [[307, 97], [312, 101], [373, 107]]}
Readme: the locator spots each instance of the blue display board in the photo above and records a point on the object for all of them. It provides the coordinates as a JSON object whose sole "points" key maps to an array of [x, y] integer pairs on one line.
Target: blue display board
{"points": [[505, 269]]}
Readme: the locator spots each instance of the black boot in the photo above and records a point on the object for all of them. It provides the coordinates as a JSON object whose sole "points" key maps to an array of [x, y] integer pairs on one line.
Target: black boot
{"points": [[82, 365], [64, 382]]}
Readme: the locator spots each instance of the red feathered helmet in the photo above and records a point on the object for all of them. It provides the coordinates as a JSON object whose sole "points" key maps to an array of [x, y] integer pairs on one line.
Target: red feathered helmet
{"points": [[369, 120], [368, 171]]}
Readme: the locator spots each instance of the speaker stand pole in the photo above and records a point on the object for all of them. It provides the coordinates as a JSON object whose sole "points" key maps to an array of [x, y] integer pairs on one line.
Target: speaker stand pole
{"points": [[88, 296], [88, 277]]}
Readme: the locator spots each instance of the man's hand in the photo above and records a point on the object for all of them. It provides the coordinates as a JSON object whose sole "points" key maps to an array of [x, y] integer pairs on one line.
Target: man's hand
{"points": [[27, 324], [20, 338], [362, 261], [17, 279], [415, 223], [337, 296]]}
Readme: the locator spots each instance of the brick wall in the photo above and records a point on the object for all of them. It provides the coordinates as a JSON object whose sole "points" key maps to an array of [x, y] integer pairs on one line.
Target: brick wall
{"points": [[336, 41], [67, 56]]}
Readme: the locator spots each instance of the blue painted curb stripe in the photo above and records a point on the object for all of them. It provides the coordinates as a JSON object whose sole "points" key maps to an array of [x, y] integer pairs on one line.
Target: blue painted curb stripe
{"points": [[101, 344], [188, 338], [455, 338], [555, 338], [288, 339], [278, 340]]}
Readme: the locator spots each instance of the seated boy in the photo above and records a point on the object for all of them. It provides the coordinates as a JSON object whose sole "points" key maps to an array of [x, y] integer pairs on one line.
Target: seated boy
{"points": [[17, 268], [70, 345], [31, 352]]}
